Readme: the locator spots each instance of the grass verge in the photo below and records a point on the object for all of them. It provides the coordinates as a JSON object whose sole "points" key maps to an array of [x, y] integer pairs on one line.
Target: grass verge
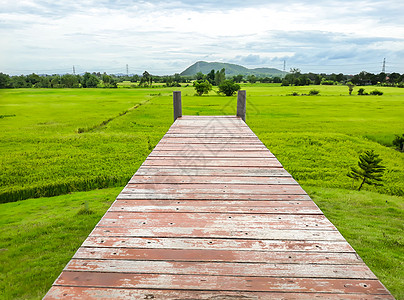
{"points": [[38, 237]]}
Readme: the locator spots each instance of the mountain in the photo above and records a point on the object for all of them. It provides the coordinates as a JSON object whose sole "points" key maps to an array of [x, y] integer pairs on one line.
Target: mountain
{"points": [[231, 69]]}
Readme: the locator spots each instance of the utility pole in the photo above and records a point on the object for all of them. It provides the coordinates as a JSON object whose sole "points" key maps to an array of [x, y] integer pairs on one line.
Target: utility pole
{"points": [[284, 65], [74, 71], [384, 66]]}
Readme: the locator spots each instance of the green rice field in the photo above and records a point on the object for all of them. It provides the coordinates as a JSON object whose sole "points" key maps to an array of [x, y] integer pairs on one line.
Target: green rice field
{"points": [[66, 141]]}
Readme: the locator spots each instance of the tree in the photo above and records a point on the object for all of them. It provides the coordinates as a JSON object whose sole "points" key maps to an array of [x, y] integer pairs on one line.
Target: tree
{"points": [[90, 80], [228, 87], [370, 170], [4, 81], [252, 78], [211, 77], [399, 142], [238, 78], [202, 87], [200, 76], [350, 87], [147, 79], [70, 81], [220, 76]]}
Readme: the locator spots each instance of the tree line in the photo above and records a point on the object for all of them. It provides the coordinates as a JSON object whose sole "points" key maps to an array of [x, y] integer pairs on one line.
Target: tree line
{"points": [[87, 80], [215, 78]]}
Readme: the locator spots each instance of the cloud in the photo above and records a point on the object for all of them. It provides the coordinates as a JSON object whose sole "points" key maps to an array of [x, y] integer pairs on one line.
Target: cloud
{"points": [[165, 37]]}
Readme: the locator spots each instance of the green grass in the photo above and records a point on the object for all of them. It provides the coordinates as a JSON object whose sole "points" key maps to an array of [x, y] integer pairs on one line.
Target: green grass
{"points": [[38, 237]]}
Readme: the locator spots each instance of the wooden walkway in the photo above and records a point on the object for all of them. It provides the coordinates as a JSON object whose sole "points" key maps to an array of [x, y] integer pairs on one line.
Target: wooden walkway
{"points": [[212, 214]]}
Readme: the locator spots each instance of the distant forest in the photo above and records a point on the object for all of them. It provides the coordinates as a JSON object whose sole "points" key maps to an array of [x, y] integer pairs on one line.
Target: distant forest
{"points": [[103, 80]]}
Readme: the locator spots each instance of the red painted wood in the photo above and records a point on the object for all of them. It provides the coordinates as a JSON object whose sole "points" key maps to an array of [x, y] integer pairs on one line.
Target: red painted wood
{"points": [[211, 214], [220, 283], [78, 293], [218, 244], [211, 255]]}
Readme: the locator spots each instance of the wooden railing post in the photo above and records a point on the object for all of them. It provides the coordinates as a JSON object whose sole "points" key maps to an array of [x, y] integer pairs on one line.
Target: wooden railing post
{"points": [[241, 104], [177, 104]]}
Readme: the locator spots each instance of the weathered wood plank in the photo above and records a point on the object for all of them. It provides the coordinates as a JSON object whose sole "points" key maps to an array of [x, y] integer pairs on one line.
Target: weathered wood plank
{"points": [[218, 244], [212, 171], [177, 179], [210, 206], [214, 162], [227, 232], [179, 154], [210, 147], [210, 220], [134, 194], [211, 255], [222, 283], [220, 269], [78, 293], [144, 188]]}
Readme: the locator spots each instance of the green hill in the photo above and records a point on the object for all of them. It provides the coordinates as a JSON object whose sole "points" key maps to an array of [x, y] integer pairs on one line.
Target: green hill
{"points": [[231, 69]]}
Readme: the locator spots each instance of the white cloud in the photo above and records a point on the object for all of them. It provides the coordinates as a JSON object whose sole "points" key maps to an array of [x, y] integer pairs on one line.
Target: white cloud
{"points": [[166, 37]]}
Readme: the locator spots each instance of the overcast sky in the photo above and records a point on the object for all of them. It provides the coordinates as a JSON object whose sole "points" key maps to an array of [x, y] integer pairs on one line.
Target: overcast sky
{"points": [[165, 37]]}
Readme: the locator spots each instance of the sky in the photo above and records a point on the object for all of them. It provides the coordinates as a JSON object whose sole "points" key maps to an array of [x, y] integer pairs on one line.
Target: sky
{"points": [[166, 37]]}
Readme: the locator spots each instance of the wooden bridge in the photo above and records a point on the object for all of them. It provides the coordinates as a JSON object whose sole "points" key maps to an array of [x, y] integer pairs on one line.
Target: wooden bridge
{"points": [[212, 214]]}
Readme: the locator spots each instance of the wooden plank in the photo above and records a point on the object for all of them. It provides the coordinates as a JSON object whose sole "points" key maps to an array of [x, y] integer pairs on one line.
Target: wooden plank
{"points": [[220, 269], [211, 171], [229, 232], [211, 220], [222, 283], [180, 179], [128, 194], [211, 255], [210, 206], [205, 141], [207, 162], [251, 189], [218, 244], [212, 147], [212, 153], [78, 293]]}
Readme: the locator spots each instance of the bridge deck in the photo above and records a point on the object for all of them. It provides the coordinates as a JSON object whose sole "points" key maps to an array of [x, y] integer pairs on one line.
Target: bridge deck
{"points": [[212, 214]]}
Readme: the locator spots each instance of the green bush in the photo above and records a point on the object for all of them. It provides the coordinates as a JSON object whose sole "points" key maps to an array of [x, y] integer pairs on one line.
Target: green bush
{"points": [[314, 92], [361, 92], [376, 92]]}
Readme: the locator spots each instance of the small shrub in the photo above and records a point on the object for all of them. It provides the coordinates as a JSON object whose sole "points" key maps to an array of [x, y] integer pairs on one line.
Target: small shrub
{"points": [[399, 142], [370, 170], [350, 87], [376, 93], [314, 92], [293, 94], [361, 92]]}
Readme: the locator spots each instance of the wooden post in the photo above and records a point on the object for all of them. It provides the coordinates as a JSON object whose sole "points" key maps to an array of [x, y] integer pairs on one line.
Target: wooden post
{"points": [[177, 104], [241, 104]]}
